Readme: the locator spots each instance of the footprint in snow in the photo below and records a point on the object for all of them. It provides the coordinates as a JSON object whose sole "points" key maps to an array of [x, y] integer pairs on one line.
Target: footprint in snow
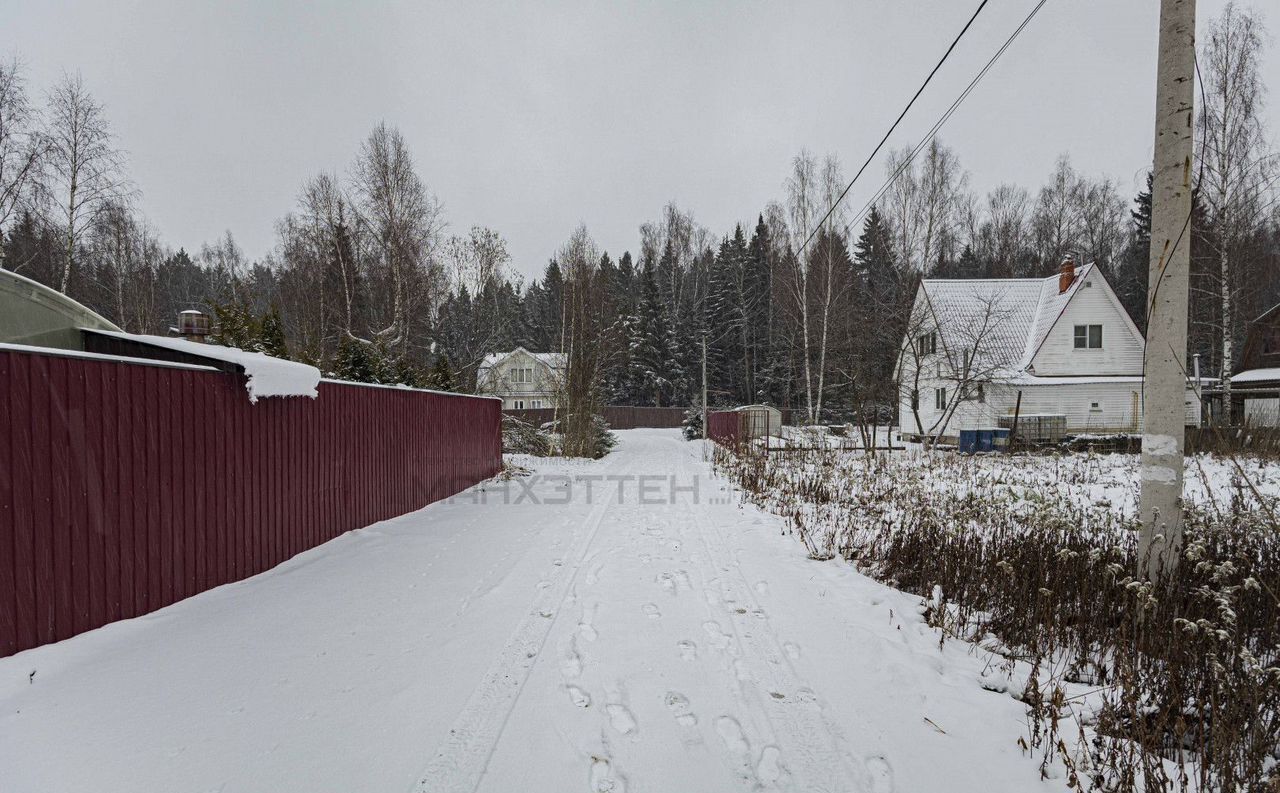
{"points": [[881, 774], [793, 650], [717, 637], [571, 665], [620, 718], [730, 732], [769, 769], [668, 582], [678, 704], [762, 587], [604, 779], [688, 650], [651, 611], [579, 697]]}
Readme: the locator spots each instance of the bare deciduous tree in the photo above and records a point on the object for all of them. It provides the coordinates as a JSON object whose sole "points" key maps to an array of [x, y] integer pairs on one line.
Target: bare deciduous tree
{"points": [[1235, 165], [85, 167], [22, 145], [405, 222], [802, 200]]}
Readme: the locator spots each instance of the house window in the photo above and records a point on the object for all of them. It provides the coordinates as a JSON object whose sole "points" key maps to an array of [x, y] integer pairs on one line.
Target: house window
{"points": [[522, 375], [518, 404], [1095, 407], [537, 403], [927, 344], [1088, 337], [982, 393], [940, 399]]}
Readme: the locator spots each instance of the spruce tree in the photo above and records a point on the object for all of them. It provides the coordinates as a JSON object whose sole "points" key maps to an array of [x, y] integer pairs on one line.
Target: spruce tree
{"points": [[652, 356], [271, 339]]}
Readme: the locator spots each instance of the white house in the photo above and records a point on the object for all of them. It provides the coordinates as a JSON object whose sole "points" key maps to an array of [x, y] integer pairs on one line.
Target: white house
{"points": [[1061, 352], [523, 379], [1256, 382]]}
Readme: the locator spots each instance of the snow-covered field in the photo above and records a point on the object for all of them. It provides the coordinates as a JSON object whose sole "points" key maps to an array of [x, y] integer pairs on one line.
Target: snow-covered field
{"points": [[536, 635]]}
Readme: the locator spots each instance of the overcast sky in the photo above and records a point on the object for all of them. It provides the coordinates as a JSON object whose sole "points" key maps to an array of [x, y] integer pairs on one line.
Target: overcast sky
{"points": [[531, 119]]}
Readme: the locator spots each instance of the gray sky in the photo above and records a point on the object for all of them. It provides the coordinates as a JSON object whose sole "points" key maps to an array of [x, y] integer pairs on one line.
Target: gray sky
{"points": [[534, 118]]}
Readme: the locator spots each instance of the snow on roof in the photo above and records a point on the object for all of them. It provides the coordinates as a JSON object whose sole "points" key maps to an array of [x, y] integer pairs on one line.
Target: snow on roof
{"points": [[1256, 376], [554, 360], [1010, 316], [267, 376]]}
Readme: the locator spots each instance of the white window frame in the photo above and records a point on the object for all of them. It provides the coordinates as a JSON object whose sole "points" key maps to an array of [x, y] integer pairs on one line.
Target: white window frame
{"points": [[536, 404], [522, 374], [1083, 337], [517, 404], [940, 399]]}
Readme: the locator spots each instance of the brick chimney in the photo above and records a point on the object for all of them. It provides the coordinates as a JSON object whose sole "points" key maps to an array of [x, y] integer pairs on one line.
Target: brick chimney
{"points": [[1067, 274]]}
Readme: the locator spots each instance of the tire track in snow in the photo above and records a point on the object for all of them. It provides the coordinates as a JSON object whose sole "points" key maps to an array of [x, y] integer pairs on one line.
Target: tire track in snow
{"points": [[459, 764], [815, 753]]}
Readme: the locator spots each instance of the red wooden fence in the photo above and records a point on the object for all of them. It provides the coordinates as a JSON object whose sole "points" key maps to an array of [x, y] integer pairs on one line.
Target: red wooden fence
{"points": [[125, 487]]}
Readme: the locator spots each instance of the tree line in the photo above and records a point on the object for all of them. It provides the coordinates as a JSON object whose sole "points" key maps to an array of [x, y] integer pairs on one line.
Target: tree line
{"points": [[801, 307]]}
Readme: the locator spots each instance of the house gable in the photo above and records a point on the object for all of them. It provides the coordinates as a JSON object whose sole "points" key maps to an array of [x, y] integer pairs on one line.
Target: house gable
{"points": [[500, 375], [1262, 343], [1091, 302]]}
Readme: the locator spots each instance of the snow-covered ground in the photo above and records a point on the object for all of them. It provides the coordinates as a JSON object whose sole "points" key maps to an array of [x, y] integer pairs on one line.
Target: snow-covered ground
{"points": [[533, 635]]}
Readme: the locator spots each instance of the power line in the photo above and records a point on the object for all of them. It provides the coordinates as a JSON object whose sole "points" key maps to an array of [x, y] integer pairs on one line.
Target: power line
{"points": [[945, 116], [901, 115]]}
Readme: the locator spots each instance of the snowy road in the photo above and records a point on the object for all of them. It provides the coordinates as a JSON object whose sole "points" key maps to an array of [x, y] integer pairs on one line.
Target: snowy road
{"points": [[619, 625]]}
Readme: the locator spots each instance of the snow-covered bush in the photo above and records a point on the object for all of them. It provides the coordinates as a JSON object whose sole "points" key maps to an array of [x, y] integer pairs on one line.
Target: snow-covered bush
{"points": [[599, 442], [692, 425], [521, 437]]}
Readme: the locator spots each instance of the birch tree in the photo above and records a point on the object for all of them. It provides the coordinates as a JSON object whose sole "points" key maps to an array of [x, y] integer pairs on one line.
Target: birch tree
{"points": [[85, 167], [22, 145], [405, 222], [802, 199], [1236, 168]]}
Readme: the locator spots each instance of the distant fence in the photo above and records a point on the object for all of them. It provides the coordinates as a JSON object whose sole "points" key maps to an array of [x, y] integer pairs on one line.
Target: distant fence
{"points": [[125, 487], [618, 417], [623, 417]]}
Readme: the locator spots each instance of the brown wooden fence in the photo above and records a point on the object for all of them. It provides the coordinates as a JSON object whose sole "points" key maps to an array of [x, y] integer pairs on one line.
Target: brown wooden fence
{"points": [[623, 417], [618, 417], [125, 487]]}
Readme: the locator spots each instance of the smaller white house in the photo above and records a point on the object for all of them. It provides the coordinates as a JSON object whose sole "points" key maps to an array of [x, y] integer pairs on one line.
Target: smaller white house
{"points": [[1256, 382], [1060, 352], [523, 379]]}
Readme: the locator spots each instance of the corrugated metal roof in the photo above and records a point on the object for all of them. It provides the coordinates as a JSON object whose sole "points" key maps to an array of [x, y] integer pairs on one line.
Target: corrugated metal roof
{"points": [[1005, 320]]}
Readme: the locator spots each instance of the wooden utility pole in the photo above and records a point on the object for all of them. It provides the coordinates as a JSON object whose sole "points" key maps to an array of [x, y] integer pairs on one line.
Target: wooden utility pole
{"points": [[1164, 360]]}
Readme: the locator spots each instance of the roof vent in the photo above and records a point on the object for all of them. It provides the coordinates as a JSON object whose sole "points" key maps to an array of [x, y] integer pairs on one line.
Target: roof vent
{"points": [[1067, 275]]}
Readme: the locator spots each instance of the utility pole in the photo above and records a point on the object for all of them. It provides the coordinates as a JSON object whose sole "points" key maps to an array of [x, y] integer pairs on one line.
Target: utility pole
{"points": [[1164, 359], [704, 386]]}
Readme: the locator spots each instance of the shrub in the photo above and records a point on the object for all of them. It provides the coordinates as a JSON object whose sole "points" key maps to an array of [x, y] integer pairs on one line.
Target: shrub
{"points": [[521, 437], [1176, 681]]}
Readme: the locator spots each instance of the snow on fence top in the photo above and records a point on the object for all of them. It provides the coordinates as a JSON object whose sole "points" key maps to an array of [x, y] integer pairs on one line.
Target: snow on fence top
{"points": [[267, 376]]}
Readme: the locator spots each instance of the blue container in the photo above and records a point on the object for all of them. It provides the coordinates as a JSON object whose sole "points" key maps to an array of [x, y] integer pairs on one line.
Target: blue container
{"points": [[984, 439], [968, 441]]}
